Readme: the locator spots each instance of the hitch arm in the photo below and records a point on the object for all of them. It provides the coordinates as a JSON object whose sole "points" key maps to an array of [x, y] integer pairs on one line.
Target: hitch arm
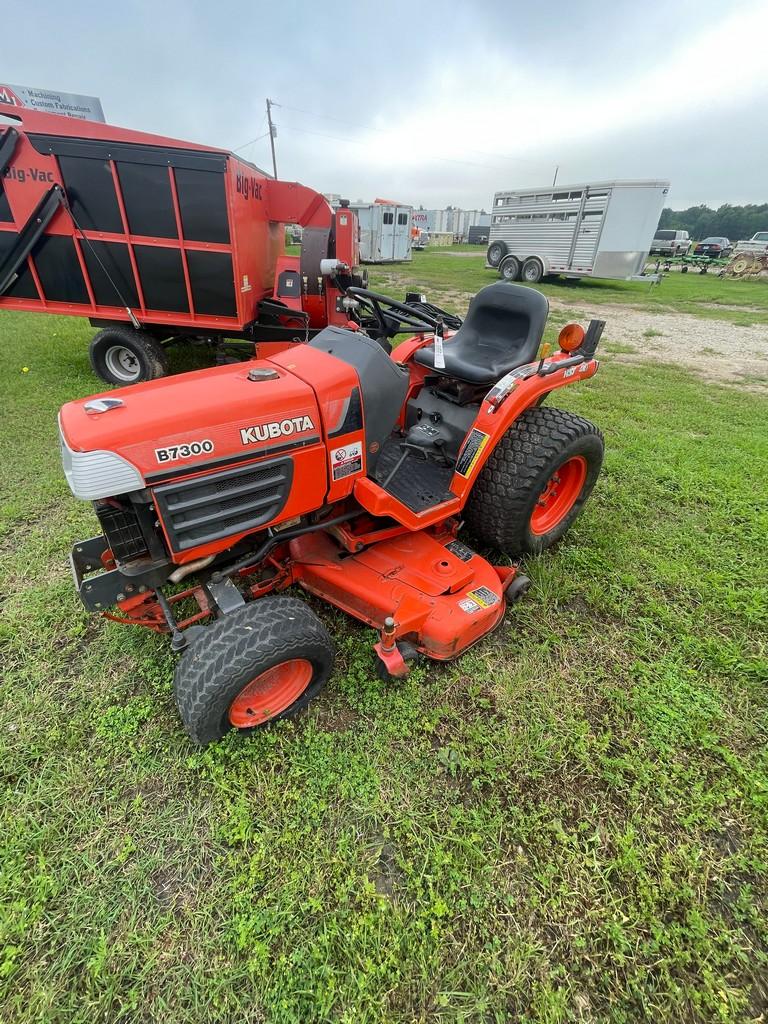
{"points": [[29, 235]]}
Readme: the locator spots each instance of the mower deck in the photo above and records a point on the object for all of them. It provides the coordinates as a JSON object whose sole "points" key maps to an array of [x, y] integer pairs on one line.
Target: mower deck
{"points": [[441, 594]]}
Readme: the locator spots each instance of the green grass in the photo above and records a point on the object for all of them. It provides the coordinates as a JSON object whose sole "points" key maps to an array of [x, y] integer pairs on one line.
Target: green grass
{"points": [[439, 270], [567, 824]]}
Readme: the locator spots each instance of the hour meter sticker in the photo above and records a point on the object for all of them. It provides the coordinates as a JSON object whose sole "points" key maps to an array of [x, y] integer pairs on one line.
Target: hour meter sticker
{"points": [[471, 452], [183, 451], [347, 460]]}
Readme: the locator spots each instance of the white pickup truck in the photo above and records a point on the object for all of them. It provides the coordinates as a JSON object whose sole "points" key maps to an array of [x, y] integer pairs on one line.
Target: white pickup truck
{"points": [[757, 243]]}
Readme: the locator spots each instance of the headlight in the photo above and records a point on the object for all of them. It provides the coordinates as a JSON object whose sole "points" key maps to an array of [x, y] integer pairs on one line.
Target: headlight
{"points": [[99, 474]]}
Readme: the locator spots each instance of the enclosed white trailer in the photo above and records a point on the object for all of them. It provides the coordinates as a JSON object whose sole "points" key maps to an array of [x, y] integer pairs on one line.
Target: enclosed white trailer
{"points": [[385, 232], [594, 229]]}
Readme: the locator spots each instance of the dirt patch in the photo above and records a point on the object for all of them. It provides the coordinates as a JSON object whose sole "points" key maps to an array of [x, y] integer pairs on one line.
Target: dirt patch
{"points": [[717, 351]]}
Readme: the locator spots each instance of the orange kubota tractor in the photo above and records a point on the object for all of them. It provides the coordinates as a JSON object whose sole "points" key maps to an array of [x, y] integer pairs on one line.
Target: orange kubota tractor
{"points": [[340, 468], [329, 463]]}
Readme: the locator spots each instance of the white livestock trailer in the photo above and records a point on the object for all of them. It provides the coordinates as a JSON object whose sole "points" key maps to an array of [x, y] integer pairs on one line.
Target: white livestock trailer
{"points": [[596, 229], [385, 232]]}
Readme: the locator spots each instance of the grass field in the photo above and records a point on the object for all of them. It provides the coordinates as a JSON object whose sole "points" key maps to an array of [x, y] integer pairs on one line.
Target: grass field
{"points": [[568, 824], [706, 296]]}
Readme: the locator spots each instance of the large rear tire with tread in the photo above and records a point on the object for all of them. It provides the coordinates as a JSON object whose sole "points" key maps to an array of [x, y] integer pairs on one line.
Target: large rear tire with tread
{"points": [[122, 355], [263, 662], [536, 481]]}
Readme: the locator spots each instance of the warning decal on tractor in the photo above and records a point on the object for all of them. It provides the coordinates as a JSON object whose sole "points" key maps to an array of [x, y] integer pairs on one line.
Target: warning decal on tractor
{"points": [[484, 597], [474, 600], [471, 451], [347, 460]]}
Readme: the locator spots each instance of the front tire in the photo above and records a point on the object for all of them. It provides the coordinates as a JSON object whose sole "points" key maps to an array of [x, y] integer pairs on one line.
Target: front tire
{"points": [[258, 664], [122, 355], [536, 481]]}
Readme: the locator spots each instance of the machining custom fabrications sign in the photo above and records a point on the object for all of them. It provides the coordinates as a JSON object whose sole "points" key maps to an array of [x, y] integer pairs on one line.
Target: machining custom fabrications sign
{"points": [[86, 108]]}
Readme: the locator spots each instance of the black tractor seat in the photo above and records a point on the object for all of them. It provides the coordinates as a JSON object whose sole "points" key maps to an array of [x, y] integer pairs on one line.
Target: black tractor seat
{"points": [[502, 330]]}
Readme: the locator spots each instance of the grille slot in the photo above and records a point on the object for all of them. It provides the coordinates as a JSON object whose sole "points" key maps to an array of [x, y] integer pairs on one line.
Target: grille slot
{"points": [[219, 504], [122, 531]]}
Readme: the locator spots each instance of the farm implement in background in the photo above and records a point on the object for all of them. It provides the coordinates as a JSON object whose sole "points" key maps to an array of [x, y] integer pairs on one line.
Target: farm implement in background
{"points": [[157, 240]]}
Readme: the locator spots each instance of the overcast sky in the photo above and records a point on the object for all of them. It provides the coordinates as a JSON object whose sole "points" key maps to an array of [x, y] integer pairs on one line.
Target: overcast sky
{"points": [[429, 102]]}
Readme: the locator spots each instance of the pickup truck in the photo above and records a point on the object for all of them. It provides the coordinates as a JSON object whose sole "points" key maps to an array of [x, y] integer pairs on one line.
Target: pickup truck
{"points": [[757, 243]]}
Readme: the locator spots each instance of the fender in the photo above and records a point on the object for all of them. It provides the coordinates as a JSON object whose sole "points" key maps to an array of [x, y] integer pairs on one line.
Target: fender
{"points": [[493, 421], [488, 427]]}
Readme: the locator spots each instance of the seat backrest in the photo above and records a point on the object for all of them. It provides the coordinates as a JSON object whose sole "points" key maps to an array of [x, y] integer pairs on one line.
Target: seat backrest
{"points": [[507, 318]]}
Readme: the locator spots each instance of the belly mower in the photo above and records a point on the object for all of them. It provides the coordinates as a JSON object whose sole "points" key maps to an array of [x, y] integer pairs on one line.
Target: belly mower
{"points": [[341, 468]]}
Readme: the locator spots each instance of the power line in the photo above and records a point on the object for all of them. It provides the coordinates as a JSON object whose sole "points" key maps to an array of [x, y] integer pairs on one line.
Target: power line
{"points": [[390, 131], [359, 142]]}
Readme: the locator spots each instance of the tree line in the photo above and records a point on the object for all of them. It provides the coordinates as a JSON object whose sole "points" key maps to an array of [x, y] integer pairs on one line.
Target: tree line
{"points": [[734, 222]]}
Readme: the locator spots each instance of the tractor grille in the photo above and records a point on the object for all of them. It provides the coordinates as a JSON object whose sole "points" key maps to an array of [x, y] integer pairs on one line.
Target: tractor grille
{"points": [[122, 531], [221, 504]]}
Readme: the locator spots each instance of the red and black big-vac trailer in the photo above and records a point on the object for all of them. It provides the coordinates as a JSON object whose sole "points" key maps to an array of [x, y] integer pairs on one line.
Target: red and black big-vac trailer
{"points": [[156, 239]]}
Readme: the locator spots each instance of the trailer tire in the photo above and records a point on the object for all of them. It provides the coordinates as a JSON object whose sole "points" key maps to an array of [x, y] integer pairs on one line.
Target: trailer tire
{"points": [[122, 355], [509, 268], [496, 253], [533, 270], [514, 505], [276, 642]]}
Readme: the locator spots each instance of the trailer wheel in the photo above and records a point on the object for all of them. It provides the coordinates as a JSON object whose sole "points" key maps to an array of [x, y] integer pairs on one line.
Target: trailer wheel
{"points": [[533, 270], [509, 268], [536, 481], [262, 662], [123, 355], [496, 253]]}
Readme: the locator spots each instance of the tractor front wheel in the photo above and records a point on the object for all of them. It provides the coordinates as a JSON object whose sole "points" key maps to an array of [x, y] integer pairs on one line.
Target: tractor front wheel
{"points": [[262, 662], [536, 481]]}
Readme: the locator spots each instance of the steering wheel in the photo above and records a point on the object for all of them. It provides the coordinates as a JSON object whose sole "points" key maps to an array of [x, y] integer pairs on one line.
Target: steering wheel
{"points": [[395, 317]]}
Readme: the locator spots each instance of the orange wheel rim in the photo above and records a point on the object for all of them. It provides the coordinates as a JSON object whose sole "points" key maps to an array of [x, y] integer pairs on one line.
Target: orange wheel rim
{"points": [[559, 495], [270, 693]]}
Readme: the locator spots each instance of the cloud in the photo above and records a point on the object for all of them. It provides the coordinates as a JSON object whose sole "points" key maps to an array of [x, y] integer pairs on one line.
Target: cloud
{"points": [[433, 102]]}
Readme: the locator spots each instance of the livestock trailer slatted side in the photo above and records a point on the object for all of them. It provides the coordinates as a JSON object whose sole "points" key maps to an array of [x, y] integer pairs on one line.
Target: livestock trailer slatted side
{"points": [[565, 227], [562, 225]]}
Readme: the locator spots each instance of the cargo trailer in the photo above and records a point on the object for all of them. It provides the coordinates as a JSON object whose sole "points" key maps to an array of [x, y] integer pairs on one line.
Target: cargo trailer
{"points": [[385, 232], [598, 229]]}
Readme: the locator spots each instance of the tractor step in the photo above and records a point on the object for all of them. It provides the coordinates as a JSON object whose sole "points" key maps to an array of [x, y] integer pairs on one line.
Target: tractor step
{"points": [[418, 483]]}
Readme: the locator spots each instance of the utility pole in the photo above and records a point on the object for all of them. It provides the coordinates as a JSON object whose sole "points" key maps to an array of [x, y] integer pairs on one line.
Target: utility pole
{"points": [[272, 133]]}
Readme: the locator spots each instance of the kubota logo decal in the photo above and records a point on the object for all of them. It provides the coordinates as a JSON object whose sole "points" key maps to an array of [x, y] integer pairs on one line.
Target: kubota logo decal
{"points": [[278, 428]]}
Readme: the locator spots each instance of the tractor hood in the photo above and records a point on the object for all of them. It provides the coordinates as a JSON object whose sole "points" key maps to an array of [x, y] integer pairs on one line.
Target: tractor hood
{"points": [[129, 438]]}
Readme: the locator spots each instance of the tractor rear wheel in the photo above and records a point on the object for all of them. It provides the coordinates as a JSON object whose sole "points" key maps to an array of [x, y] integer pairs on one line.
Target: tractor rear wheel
{"points": [[262, 662], [536, 481], [122, 355]]}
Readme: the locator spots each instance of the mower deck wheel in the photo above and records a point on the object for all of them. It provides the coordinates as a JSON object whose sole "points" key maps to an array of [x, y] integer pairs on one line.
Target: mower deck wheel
{"points": [[536, 481], [264, 661], [122, 355]]}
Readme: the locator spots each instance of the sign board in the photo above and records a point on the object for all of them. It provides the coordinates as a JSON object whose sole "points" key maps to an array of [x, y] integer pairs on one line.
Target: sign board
{"points": [[86, 108]]}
